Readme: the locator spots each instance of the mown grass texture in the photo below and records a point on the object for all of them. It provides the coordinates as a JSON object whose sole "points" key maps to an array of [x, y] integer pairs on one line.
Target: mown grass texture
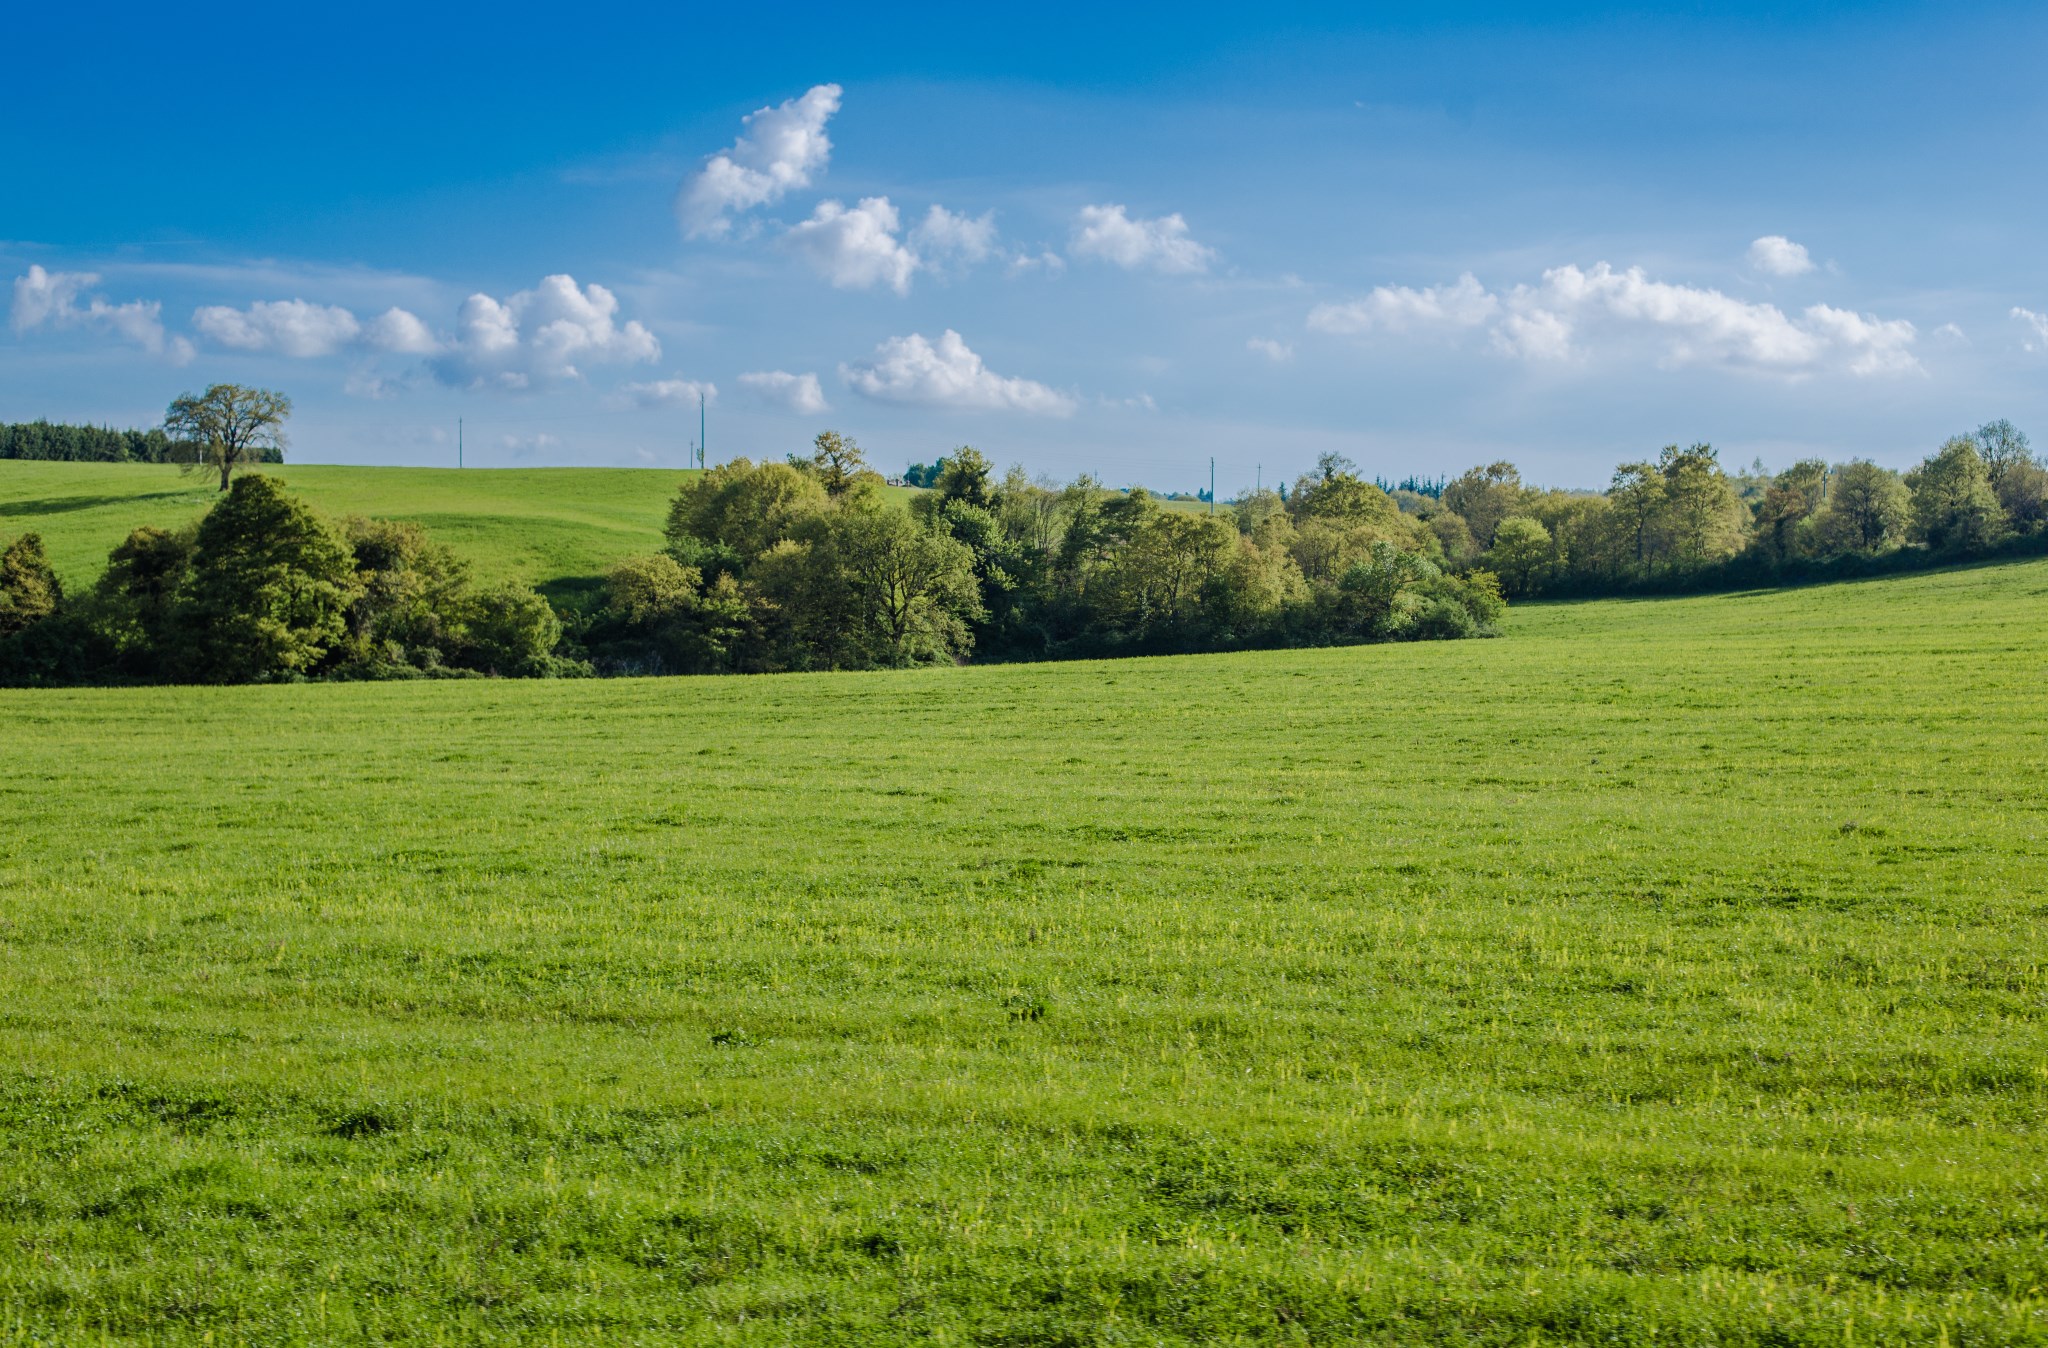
{"points": [[1663, 971]]}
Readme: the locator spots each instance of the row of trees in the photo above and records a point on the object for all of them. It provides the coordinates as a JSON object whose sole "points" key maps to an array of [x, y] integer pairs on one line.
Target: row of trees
{"points": [[85, 444], [808, 565], [262, 589], [1682, 521], [228, 427]]}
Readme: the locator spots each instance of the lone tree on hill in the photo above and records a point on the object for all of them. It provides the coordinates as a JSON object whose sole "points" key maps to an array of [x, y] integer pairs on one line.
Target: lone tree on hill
{"points": [[228, 426]]}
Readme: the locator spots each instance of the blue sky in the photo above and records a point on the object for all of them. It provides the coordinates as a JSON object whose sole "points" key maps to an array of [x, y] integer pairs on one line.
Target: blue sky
{"points": [[1422, 236]]}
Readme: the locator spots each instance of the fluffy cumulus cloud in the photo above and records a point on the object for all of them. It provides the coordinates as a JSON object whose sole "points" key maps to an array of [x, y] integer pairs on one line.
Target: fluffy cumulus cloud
{"points": [[855, 249], [945, 236], [58, 300], [1575, 312], [1776, 255], [2037, 328], [797, 393], [535, 336], [1271, 348], [547, 333], [911, 370], [288, 327], [1109, 234], [776, 155], [1464, 304], [402, 333], [302, 329], [671, 393]]}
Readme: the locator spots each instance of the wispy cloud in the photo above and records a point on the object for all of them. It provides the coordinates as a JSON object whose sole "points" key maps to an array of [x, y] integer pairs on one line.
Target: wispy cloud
{"points": [[58, 300], [1575, 312]]}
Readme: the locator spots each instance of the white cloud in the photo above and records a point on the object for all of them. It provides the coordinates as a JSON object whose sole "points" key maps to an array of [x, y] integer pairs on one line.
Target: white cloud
{"points": [[289, 327], [1049, 262], [779, 151], [915, 371], [549, 332], [671, 392], [1537, 335], [1272, 349], [51, 299], [1465, 304], [855, 249], [1870, 345], [2037, 323], [1949, 332], [947, 236], [1574, 312], [1162, 244], [1776, 255], [798, 393], [401, 332]]}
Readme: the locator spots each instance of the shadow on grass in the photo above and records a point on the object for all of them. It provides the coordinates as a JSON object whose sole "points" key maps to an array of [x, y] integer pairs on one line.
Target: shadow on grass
{"points": [[581, 593], [59, 505]]}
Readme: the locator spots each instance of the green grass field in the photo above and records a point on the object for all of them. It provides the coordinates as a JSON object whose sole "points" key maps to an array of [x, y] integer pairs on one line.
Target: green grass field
{"points": [[1661, 972], [556, 528], [553, 527]]}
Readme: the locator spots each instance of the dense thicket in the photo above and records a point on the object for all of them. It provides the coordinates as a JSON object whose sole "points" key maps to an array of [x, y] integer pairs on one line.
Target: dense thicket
{"points": [[1680, 521], [264, 589], [805, 565], [93, 444]]}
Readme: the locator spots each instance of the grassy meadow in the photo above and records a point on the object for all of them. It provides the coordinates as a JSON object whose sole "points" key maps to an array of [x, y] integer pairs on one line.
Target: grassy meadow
{"points": [[557, 528], [1664, 971]]}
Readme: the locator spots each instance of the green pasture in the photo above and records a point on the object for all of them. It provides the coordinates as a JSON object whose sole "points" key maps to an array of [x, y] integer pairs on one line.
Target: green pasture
{"points": [[541, 526], [1661, 972], [557, 528]]}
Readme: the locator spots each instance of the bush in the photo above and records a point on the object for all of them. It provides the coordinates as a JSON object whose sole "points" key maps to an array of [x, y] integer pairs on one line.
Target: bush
{"points": [[513, 632]]}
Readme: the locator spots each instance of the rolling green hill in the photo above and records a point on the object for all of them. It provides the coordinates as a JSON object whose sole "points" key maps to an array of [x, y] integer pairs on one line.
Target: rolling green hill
{"points": [[543, 526], [1665, 971]]}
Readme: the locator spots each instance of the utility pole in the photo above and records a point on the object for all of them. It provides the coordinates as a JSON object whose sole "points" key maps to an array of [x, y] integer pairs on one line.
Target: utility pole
{"points": [[1212, 484], [1259, 480], [700, 428], [458, 442]]}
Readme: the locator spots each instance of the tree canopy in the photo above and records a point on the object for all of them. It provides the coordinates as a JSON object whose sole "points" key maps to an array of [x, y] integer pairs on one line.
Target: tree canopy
{"points": [[228, 427]]}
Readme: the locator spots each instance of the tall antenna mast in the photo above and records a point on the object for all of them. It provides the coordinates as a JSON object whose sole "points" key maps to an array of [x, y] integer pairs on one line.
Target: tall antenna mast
{"points": [[458, 442], [700, 428], [1212, 484]]}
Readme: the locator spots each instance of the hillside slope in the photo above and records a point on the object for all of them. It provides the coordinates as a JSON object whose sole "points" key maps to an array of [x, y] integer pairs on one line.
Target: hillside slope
{"points": [[1662, 971], [537, 525]]}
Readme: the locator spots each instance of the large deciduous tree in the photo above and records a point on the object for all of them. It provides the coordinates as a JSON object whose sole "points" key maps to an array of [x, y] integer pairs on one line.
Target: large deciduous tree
{"points": [[1866, 510], [1954, 508], [1523, 555], [2003, 447], [270, 587], [1483, 497], [29, 591], [227, 427]]}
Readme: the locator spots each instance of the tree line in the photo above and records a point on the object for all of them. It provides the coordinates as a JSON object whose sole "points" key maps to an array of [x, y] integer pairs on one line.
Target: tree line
{"points": [[264, 589], [45, 441], [807, 564], [1680, 521], [227, 427]]}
